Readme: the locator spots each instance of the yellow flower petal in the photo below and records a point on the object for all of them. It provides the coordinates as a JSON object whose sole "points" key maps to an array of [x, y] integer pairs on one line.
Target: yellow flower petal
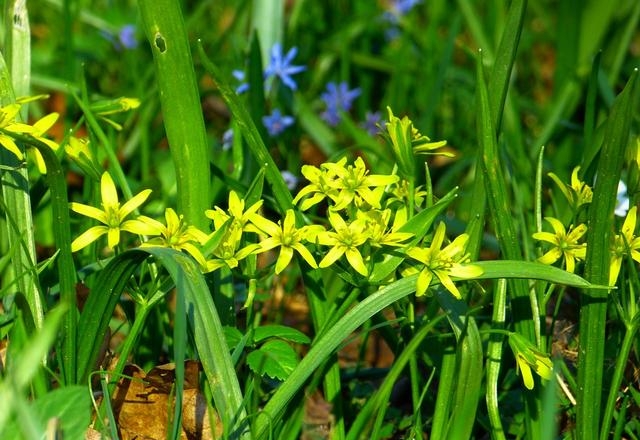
{"points": [[88, 237]]}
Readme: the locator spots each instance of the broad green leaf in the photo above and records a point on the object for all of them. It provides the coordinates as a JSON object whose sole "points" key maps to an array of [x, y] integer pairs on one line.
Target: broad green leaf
{"points": [[280, 331], [70, 405], [275, 358]]}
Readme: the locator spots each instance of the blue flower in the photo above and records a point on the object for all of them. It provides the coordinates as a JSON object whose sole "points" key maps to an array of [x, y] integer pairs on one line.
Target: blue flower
{"points": [[338, 98], [240, 75], [622, 202], [227, 139], [289, 179], [127, 36], [397, 9], [276, 123], [282, 67], [370, 123], [402, 7]]}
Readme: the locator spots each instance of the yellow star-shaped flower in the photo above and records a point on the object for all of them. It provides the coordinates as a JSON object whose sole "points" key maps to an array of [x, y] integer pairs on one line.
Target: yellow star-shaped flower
{"points": [[625, 243], [176, 234], [344, 240], [443, 263], [565, 244], [288, 238], [112, 216]]}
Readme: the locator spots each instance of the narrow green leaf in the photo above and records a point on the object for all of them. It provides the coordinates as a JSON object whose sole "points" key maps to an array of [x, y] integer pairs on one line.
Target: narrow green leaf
{"points": [[181, 108], [499, 205], [325, 346], [593, 307], [15, 191], [531, 271], [463, 392], [505, 58], [56, 181], [28, 361]]}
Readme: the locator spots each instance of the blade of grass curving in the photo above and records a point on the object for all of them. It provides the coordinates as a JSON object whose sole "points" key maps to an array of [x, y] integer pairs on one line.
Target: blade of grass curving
{"points": [[379, 400], [18, 45], [202, 316], [522, 301], [56, 181], [209, 337], [496, 186], [505, 58], [468, 377], [591, 148], [279, 188], [325, 346], [15, 191], [99, 307], [532, 270], [593, 307], [27, 363], [181, 109]]}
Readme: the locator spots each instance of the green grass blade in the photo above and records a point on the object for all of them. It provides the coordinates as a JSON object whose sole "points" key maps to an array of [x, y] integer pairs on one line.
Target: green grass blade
{"points": [[325, 346], [201, 315], [98, 309], [15, 191], [505, 58], [593, 308], [531, 270], [181, 109], [381, 396], [494, 358], [498, 202], [465, 392], [26, 364], [56, 181]]}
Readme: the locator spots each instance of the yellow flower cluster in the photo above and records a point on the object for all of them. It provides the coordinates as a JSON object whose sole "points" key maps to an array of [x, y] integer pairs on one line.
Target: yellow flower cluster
{"points": [[365, 215], [568, 244]]}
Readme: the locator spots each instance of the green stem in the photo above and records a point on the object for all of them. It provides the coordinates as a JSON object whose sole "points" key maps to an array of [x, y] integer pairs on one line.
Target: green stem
{"points": [[494, 358], [622, 357], [181, 109], [129, 343]]}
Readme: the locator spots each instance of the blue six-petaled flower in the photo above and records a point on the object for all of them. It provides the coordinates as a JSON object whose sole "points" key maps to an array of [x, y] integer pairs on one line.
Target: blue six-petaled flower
{"points": [[281, 67], [276, 123], [240, 76], [338, 98]]}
